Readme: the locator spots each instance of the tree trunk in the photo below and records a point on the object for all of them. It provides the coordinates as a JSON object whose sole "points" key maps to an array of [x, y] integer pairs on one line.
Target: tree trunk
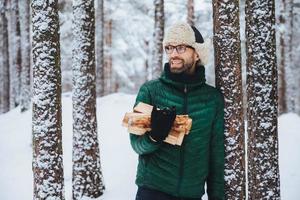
{"points": [[46, 120], [289, 65], [227, 47], [4, 60], [282, 108], [100, 49], [296, 52], [87, 175], [108, 58], [263, 172], [190, 13], [14, 53], [146, 63], [159, 22], [25, 93]]}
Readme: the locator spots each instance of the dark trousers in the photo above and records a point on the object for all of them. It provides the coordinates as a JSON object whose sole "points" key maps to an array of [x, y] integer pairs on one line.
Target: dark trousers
{"points": [[149, 194]]}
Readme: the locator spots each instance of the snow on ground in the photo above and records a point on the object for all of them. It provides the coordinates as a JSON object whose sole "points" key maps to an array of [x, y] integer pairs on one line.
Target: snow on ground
{"points": [[118, 159], [289, 156]]}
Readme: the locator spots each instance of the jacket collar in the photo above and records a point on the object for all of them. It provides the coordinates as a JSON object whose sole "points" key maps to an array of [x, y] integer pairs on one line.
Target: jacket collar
{"points": [[197, 79]]}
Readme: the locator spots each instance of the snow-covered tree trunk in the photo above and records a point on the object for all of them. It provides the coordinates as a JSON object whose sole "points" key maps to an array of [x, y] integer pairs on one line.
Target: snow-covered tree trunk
{"points": [[46, 120], [227, 47], [281, 77], [296, 50], [282, 107], [4, 60], [100, 48], [159, 23], [263, 171], [87, 175], [25, 93], [146, 63], [190, 12], [14, 52], [288, 57], [108, 57]]}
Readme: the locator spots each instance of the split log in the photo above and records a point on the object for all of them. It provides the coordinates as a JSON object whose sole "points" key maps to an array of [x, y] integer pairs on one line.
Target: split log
{"points": [[139, 122]]}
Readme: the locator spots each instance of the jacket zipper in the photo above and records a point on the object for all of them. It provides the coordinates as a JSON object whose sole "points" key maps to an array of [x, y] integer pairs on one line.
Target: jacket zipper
{"points": [[181, 164]]}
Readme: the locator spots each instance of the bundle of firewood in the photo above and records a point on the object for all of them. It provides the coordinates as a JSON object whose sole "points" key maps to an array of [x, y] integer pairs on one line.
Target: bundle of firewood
{"points": [[138, 122]]}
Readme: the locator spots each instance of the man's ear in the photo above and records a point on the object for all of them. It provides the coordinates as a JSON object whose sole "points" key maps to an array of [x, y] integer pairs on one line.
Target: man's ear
{"points": [[196, 56]]}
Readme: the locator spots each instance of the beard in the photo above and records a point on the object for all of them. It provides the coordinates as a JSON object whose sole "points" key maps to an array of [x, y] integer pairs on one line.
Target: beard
{"points": [[179, 65]]}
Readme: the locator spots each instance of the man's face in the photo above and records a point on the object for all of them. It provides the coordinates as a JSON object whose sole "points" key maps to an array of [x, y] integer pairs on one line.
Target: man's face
{"points": [[181, 58]]}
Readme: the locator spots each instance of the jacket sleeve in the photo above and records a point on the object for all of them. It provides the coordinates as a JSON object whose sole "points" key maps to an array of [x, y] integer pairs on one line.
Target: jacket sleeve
{"points": [[142, 144], [215, 180]]}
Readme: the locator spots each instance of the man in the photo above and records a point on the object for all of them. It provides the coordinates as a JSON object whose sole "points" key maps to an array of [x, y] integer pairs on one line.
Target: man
{"points": [[171, 172]]}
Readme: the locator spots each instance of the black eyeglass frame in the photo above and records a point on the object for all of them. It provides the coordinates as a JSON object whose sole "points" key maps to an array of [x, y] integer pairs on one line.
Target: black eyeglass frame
{"points": [[177, 47]]}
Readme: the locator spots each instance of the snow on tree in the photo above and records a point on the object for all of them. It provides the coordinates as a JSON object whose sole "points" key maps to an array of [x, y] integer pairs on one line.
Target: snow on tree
{"points": [[227, 47], [296, 51], [263, 170], [14, 52], [107, 82], [282, 107], [46, 120], [4, 60], [190, 12], [25, 93], [87, 175], [289, 66], [159, 21], [129, 46], [100, 48]]}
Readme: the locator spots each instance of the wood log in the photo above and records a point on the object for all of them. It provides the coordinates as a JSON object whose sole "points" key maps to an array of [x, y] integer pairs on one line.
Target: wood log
{"points": [[139, 122]]}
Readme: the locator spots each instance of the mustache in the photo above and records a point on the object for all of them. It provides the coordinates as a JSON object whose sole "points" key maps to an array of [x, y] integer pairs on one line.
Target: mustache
{"points": [[175, 58]]}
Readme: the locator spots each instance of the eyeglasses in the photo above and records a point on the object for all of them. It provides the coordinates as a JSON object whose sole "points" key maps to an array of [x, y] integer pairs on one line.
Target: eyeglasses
{"points": [[179, 48]]}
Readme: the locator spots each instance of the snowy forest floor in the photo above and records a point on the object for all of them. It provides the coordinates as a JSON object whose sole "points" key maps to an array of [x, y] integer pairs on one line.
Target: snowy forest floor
{"points": [[118, 159]]}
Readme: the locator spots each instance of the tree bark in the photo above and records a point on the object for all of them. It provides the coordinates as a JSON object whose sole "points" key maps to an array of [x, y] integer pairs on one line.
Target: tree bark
{"points": [[296, 51], [159, 22], [4, 60], [191, 14], [100, 48], [290, 69], [46, 120], [263, 171], [25, 88], [108, 58], [87, 175], [14, 53], [227, 46]]}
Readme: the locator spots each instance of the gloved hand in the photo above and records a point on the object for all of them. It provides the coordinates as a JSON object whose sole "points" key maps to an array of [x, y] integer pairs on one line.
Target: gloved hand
{"points": [[161, 123]]}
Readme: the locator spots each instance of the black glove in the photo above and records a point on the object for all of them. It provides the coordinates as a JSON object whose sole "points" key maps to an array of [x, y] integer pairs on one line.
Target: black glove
{"points": [[161, 123]]}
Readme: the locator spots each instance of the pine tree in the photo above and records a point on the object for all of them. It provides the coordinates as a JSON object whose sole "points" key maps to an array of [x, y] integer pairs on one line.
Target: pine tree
{"points": [[227, 47], [108, 56], [4, 60], [46, 120], [289, 66], [282, 107], [100, 48], [296, 51], [190, 12], [263, 172], [159, 21], [14, 53], [25, 93], [87, 175]]}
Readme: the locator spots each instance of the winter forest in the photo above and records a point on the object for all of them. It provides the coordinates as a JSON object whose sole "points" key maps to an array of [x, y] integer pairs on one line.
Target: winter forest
{"points": [[70, 69]]}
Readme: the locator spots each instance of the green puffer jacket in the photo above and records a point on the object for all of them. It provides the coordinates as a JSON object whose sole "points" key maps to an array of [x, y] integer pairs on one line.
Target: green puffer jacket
{"points": [[183, 170]]}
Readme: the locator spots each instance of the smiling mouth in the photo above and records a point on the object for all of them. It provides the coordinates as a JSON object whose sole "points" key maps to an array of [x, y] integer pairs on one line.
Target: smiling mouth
{"points": [[176, 62]]}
